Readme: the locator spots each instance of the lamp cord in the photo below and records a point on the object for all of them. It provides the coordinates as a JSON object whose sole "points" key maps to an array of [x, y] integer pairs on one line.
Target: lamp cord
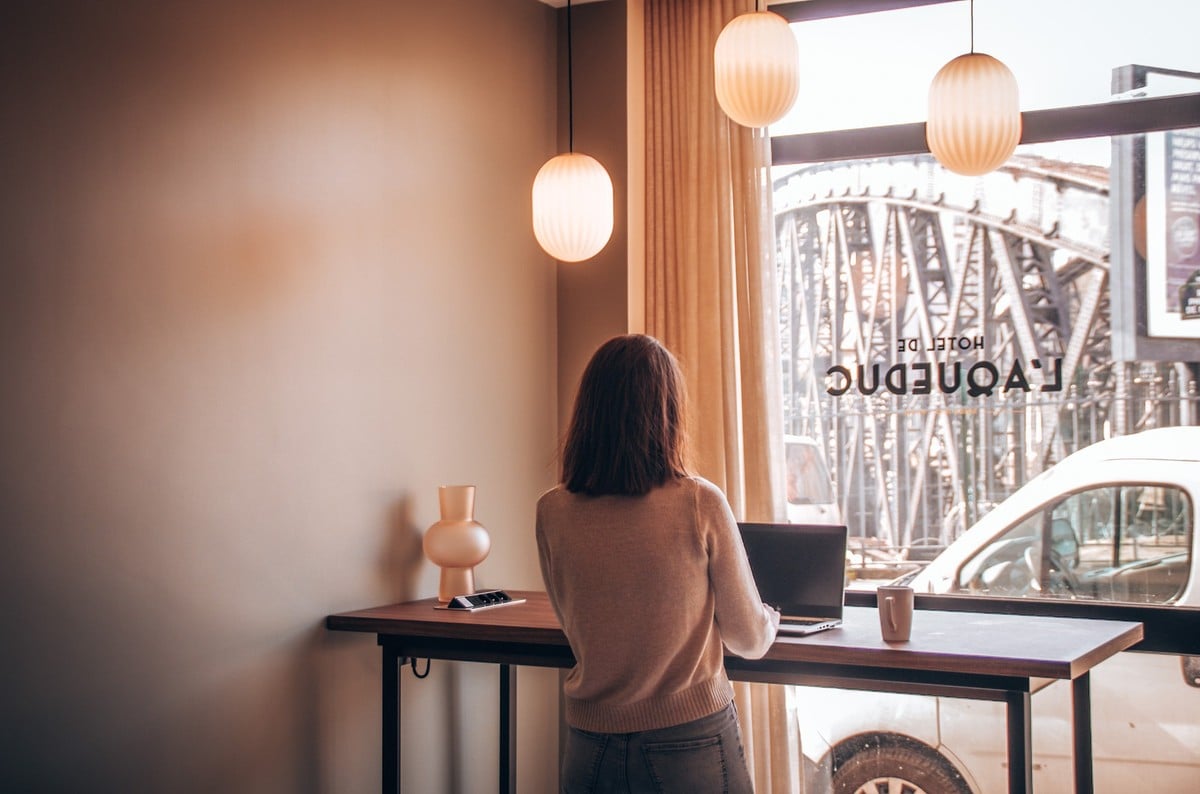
{"points": [[972, 27], [570, 86]]}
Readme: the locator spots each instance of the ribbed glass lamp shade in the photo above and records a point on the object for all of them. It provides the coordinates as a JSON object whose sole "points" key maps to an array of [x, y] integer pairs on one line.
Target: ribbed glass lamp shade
{"points": [[974, 120], [757, 68], [572, 207]]}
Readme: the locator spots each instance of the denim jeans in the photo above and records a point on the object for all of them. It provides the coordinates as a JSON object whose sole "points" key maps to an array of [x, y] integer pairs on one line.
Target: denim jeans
{"points": [[704, 756]]}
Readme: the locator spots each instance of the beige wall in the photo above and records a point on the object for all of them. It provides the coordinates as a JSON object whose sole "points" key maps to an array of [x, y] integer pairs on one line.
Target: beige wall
{"points": [[268, 280]]}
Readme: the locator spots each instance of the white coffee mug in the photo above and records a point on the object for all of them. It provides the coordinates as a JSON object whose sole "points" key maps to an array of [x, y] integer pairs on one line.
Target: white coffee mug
{"points": [[895, 612]]}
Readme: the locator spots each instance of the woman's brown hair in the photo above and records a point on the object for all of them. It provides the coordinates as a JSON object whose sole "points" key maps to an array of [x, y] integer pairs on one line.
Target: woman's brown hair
{"points": [[626, 434]]}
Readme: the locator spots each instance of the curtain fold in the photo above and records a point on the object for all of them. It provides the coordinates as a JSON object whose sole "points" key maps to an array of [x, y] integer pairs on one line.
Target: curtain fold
{"points": [[710, 298]]}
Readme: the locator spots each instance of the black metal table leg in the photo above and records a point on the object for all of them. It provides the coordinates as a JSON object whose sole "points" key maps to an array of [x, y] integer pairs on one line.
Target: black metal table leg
{"points": [[391, 719], [1020, 744], [508, 729], [1081, 727]]}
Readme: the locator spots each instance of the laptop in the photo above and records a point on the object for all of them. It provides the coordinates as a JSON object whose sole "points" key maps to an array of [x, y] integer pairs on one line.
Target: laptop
{"points": [[800, 570]]}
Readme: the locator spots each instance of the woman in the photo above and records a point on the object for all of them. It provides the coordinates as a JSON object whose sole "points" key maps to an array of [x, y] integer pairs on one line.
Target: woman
{"points": [[646, 571]]}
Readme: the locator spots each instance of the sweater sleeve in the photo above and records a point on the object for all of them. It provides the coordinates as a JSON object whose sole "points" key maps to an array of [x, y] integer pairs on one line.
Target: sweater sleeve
{"points": [[544, 561], [747, 625]]}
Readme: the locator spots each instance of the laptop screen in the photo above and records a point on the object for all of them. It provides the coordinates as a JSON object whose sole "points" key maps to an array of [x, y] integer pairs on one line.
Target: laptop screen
{"points": [[799, 568]]}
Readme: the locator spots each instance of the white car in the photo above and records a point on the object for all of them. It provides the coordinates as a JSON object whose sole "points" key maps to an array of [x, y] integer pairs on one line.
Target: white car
{"points": [[1113, 522], [810, 496]]}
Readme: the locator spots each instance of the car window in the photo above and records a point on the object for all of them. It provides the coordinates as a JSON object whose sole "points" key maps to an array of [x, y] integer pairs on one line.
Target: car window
{"points": [[1126, 542]]}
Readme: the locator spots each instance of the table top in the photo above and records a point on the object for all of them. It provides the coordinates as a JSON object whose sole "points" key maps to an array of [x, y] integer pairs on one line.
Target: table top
{"points": [[948, 642]]}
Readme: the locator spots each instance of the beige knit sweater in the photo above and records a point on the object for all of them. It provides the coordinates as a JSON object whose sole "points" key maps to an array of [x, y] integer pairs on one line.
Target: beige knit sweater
{"points": [[647, 589]]}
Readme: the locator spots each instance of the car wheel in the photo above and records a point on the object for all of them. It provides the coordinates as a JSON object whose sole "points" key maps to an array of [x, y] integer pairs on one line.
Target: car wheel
{"points": [[897, 769]]}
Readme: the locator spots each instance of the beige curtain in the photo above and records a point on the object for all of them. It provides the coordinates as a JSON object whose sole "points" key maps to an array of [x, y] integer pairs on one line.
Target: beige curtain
{"points": [[710, 298]]}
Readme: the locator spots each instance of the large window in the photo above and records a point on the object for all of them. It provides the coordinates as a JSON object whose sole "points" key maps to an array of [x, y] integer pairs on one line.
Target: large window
{"points": [[946, 338], [983, 363]]}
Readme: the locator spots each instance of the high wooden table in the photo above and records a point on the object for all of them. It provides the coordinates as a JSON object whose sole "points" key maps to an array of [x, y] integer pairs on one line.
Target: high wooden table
{"points": [[981, 656]]}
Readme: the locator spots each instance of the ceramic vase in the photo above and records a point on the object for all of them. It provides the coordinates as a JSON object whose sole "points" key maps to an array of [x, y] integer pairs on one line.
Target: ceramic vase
{"points": [[457, 542]]}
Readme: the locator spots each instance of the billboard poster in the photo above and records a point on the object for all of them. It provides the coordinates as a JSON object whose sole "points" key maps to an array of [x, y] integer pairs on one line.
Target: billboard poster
{"points": [[1173, 234]]}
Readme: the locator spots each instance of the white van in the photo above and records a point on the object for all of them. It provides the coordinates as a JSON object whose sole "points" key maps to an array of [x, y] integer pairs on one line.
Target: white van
{"points": [[1114, 522], [810, 496]]}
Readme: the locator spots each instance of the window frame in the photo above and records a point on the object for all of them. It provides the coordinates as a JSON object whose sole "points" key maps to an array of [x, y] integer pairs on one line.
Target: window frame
{"points": [[1127, 117]]}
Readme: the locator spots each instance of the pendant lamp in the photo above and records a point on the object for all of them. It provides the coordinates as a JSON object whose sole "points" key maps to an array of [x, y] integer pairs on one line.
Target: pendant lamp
{"points": [[756, 65], [572, 194], [974, 122]]}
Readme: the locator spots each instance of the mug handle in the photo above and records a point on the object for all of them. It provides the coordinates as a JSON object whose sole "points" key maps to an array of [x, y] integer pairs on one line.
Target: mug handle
{"points": [[889, 604]]}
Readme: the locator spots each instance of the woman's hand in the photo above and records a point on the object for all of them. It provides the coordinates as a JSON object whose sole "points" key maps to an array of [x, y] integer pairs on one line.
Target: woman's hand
{"points": [[773, 613]]}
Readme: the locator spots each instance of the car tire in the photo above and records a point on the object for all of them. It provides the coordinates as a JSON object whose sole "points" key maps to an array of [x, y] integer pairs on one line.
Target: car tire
{"points": [[897, 769]]}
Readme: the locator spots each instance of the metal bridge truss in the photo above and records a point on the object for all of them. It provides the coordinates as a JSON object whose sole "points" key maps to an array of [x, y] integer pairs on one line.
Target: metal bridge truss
{"points": [[861, 271]]}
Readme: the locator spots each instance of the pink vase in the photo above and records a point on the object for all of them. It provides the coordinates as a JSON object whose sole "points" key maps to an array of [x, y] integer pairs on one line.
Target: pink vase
{"points": [[456, 543]]}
